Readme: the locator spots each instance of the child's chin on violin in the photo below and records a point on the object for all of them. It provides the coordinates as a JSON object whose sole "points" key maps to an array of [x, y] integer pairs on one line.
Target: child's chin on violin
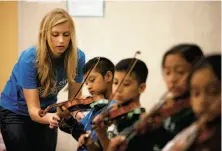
{"points": [[168, 116], [126, 93], [205, 94], [99, 84]]}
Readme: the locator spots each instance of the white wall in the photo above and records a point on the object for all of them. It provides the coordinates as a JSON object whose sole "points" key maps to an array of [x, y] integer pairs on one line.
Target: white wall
{"points": [[127, 26], [151, 27], [30, 16]]}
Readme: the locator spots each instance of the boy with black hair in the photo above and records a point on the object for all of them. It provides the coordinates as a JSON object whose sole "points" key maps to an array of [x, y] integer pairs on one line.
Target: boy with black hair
{"points": [[99, 83], [129, 92]]}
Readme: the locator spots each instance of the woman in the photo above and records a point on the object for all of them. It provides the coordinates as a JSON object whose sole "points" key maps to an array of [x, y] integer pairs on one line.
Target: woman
{"points": [[40, 73]]}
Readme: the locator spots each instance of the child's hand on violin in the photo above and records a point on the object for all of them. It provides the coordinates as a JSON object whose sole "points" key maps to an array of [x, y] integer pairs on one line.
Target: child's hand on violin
{"points": [[63, 112], [175, 146], [141, 127], [53, 120], [117, 143], [78, 115], [98, 125], [85, 139]]}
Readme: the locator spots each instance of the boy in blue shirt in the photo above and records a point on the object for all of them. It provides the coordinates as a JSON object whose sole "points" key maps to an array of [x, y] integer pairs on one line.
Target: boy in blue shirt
{"points": [[99, 83]]}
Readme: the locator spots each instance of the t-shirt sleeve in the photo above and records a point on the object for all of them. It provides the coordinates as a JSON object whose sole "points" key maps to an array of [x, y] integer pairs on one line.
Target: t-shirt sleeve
{"points": [[80, 64], [28, 74]]}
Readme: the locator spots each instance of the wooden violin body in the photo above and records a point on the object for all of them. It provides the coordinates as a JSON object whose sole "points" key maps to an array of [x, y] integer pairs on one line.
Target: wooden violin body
{"points": [[70, 105], [122, 110], [155, 119]]}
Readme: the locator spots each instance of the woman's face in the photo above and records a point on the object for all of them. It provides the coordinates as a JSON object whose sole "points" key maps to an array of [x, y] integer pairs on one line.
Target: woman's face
{"points": [[60, 38], [205, 92], [175, 73]]}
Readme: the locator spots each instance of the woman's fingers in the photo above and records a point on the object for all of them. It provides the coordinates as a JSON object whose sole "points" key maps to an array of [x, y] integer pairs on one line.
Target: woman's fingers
{"points": [[54, 120], [64, 108], [55, 117]]}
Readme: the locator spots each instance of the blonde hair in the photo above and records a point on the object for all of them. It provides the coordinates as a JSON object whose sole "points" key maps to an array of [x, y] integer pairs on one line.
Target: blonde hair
{"points": [[43, 61]]}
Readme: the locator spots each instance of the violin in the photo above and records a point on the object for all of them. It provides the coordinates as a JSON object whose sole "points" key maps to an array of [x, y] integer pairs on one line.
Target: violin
{"points": [[73, 103], [97, 107], [155, 119], [108, 114], [192, 134], [112, 113], [116, 111]]}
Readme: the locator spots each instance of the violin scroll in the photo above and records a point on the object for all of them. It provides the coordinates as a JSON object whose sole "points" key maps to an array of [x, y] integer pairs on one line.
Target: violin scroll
{"points": [[41, 113]]}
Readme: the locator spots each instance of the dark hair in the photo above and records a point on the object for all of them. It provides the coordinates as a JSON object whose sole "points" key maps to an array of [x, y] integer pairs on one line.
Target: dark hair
{"points": [[140, 69], [214, 61], [102, 67], [190, 52]]}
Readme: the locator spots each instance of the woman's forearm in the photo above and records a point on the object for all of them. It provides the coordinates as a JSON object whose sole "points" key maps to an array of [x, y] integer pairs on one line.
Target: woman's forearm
{"points": [[34, 114]]}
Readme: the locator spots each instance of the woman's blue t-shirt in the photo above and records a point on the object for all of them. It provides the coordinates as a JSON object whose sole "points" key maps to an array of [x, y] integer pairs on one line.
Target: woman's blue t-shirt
{"points": [[24, 75]]}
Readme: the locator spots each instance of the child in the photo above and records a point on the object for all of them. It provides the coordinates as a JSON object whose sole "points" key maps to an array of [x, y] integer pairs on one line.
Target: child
{"points": [[129, 92], [99, 83], [205, 90], [177, 64]]}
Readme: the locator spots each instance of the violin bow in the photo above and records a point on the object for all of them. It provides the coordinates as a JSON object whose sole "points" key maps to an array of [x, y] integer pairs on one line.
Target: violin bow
{"points": [[87, 77], [129, 70]]}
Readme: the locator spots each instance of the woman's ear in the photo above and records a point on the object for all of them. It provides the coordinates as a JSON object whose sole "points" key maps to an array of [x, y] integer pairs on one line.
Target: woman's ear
{"points": [[142, 87], [108, 76]]}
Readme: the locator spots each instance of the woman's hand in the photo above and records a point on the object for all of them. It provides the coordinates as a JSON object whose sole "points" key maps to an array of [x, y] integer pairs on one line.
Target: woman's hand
{"points": [[63, 112], [53, 120]]}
